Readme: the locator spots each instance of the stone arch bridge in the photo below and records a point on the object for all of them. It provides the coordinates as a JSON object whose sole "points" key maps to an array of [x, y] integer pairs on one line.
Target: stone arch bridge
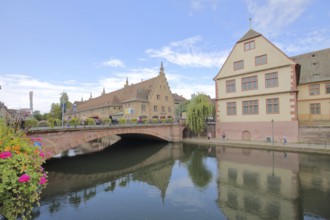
{"points": [[57, 140]]}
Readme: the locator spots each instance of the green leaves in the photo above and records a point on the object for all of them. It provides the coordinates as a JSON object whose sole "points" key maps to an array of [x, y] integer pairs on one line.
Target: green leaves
{"points": [[199, 109]]}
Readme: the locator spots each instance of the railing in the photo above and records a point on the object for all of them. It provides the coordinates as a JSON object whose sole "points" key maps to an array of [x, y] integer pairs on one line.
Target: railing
{"points": [[117, 125]]}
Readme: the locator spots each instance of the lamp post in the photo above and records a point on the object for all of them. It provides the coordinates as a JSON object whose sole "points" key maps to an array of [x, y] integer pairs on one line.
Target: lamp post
{"points": [[273, 131], [74, 109], [62, 110]]}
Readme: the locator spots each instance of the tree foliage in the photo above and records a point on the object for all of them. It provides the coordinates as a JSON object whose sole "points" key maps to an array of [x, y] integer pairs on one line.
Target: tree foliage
{"points": [[182, 108], [198, 110]]}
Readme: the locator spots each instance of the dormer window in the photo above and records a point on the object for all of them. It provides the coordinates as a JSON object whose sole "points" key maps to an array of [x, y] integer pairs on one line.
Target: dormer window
{"points": [[249, 46]]}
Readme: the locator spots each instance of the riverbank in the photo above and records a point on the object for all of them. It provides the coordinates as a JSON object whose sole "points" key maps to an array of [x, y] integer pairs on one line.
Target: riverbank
{"points": [[289, 147]]}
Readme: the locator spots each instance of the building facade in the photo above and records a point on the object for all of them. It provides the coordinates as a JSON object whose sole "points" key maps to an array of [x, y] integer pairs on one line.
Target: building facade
{"points": [[314, 88], [147, 99], [256, 92]]}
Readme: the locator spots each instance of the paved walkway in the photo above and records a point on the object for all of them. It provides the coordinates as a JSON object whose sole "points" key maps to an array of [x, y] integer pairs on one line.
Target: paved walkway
{"points": [[291, 147]]}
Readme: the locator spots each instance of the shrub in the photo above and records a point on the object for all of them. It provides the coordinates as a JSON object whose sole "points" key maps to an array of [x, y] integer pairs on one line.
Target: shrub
{"points": [[21, 176], [134, 121], [106, 121], [51, 121], [43, 124], [155, 120], [31, 122], [90, 121], [145, 120], [74, 122], [122, 121]]}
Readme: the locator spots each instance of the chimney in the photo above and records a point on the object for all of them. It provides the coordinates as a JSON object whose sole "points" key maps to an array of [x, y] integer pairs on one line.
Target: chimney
{"points": [[31, 101]]}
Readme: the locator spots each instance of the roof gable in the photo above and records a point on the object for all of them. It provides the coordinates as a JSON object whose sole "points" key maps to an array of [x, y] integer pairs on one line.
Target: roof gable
{"points": [[249, 35], [262, 46]]}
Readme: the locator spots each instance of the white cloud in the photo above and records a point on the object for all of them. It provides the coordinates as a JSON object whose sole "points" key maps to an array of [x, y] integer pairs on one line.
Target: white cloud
{"points": [[310, 40], [186, 53], [113, 63], [15, 92], [198, 5], [118, 79], [274, 15]]}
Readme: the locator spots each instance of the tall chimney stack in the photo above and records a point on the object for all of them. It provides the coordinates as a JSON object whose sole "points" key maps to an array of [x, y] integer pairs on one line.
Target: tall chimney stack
{"points": [[31, 101]]}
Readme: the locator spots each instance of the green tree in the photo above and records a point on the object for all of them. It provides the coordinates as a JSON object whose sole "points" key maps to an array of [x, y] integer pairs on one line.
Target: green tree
{"points": [[56, 108], [64, 99], [182, 108], [37, 115], [55, 111], [199, 109]]}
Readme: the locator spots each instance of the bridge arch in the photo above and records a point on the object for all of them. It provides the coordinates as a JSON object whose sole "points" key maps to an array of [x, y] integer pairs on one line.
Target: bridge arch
{"points": [[58, 140]]}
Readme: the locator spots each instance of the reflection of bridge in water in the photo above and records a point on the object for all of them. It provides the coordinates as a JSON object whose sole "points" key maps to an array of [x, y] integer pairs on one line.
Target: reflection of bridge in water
{"points": [[104, 168], [58, 140]]}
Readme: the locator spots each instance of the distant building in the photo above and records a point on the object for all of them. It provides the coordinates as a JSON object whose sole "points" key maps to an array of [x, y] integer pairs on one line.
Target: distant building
{"points": [[148, 99], [178, 99]]}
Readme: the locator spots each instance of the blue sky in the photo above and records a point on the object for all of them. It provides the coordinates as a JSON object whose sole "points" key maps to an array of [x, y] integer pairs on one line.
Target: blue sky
{"points": [[81, 46]]}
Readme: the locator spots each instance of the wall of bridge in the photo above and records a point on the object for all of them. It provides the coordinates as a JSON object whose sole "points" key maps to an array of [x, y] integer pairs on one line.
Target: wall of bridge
{"points": [[55, 141]]}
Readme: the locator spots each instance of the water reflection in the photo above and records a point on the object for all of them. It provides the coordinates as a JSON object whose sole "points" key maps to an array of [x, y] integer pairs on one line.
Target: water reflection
{"points": [[174, 181], [95, 145], [258, 184]]}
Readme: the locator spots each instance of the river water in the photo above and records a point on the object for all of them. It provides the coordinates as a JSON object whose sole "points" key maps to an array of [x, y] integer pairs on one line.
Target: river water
{"points": [[148, 180]]}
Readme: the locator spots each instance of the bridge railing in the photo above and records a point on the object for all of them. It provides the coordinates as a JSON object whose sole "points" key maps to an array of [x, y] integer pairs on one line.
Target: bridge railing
{"points": [[65, 127]]}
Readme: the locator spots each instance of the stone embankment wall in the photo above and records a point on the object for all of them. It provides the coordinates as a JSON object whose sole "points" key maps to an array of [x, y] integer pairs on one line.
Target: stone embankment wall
{"points": [[314, 134]]}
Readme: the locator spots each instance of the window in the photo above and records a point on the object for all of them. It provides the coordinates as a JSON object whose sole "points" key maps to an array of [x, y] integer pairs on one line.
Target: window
{"points": [[166, 98], [260, 60], [238, 65], [327, 88], [231, 108], [315, 108], [158, 97], [249, 46], [271, 80], [249, 83], [250, 107], [163, 108], [272, 106], [155, 108], [230, 86], [314, 89], [169, 109], [143, 108]]}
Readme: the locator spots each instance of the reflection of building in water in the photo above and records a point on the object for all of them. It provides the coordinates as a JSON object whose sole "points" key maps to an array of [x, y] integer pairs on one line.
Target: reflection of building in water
{"points": [[314, 178], [257, 184], [158, 176]]}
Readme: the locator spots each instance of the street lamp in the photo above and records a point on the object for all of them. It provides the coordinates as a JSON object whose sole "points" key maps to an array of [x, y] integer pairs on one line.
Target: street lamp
{"points": [[273, 131], [62, 110], [74, 108]]}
